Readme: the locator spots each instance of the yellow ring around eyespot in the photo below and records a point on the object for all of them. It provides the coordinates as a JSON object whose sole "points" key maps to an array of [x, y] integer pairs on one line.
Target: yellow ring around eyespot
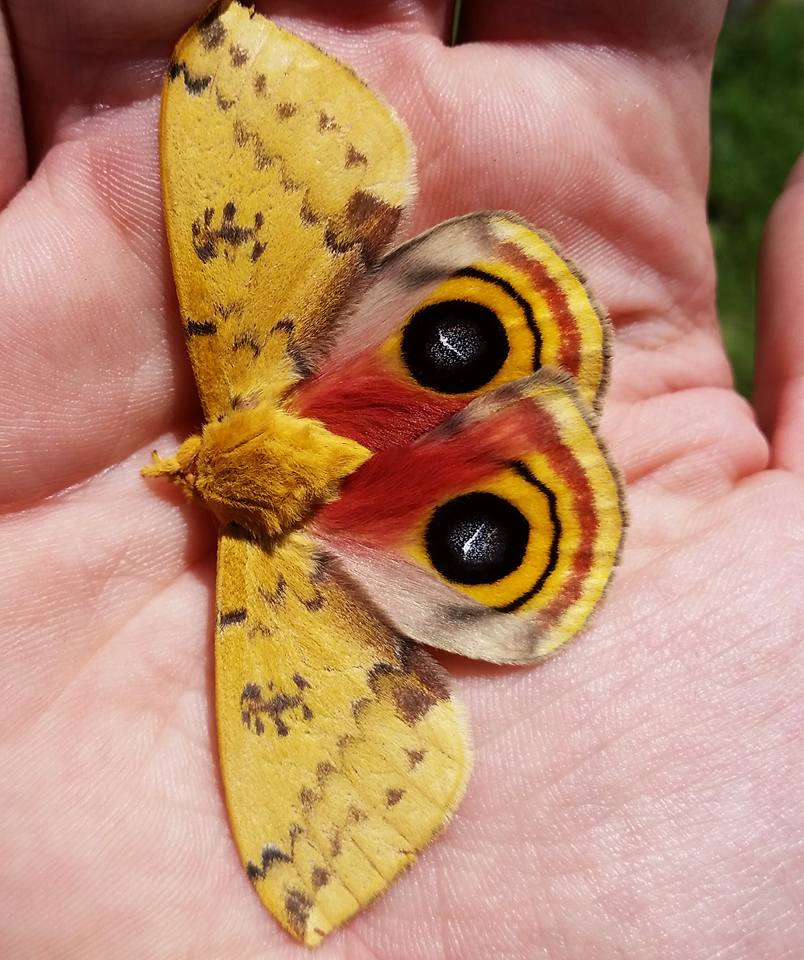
{"points": [[535, 507], [521, 340]]}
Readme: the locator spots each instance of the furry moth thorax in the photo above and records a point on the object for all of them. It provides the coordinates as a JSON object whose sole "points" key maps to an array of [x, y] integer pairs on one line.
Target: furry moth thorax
{"points": [[262, 468]]}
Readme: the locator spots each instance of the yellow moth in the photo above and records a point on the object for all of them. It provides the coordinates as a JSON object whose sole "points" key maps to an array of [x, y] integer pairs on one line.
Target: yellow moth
{"points": [[400, 448]]}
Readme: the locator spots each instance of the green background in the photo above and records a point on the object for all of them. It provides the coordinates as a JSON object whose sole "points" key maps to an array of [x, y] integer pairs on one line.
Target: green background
{"points": [[757, 134]]}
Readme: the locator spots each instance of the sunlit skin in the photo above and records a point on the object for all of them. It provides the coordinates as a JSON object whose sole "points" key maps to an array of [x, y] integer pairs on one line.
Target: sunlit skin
{"points": [[641, 795]]}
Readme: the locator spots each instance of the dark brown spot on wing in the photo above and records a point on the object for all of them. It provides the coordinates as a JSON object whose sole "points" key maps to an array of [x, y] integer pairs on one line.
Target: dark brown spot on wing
{"points": [[223, 103], [271, 854], [297, 907], [286, 110], [231, 617], [262, 157], [415, 757], [355, 158], [356, 815], [393, 796], [424, 668], [246, 341], [316, 602], [326, 122], [274, 597], [308, 215], [259, 84], [212, 33], [210, 16], [195, 84], [254, 706], [285, 325], [319, 877], [237, 55], [412, 702], [323, 770], [200, 328], [308, 798], [374, 219]]}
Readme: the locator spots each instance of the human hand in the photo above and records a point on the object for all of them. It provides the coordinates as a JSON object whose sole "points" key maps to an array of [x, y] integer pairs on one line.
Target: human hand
{"points": [[638, 796]]}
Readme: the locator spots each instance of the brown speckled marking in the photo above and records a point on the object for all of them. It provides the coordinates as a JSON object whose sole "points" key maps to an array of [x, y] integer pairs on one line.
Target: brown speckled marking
{"points": [[274, 597], [308, 215], [234, 308], [302, 365], [195, 84], [200, 328], [270, 855], [393, 796], [356, 815], [418, 685], [207, 238], [246, 341], [212, 33], [308, 798], [412, 702], [370, 224], [319, 877], [253, 706], [258, 629], [259, 84], [355, 158], [243, 137], [297, 906], [223, 103], [359, 705], [285, 325], [323, 770], [286, 110], [374, 218], [335, 844], [415, 757], [231, 617], [325, 122], [301, 682], [237, 55], [316, 602], [288, 184]]}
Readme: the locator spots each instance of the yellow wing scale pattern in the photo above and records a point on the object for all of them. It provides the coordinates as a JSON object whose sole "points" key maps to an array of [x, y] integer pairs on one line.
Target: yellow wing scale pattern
{"points": [[268, 239], [341, 749]]}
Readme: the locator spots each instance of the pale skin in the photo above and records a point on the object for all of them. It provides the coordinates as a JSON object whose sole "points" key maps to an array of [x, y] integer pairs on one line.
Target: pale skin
{"points": [[641, 795]]}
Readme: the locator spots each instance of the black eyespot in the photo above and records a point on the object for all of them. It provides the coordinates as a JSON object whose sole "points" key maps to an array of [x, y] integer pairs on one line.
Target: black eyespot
{"points": [[454, 346], [476, 538]]}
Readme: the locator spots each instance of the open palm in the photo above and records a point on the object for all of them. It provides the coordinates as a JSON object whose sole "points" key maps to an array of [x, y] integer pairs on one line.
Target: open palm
{"points": [[640, 796]]}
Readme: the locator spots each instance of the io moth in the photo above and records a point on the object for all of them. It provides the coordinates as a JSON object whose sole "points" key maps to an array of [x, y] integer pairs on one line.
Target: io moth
{"points": [[399, 448]]}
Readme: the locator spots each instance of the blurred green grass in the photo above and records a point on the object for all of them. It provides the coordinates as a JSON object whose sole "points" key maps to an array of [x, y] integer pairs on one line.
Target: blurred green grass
{"points": [[757, 134]]}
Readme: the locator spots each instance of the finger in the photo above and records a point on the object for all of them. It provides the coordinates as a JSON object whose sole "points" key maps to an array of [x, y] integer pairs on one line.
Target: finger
{"points": [[433, 17], [779, 380], [12, 139], [81, 54], [673, 26], [93, 359]]}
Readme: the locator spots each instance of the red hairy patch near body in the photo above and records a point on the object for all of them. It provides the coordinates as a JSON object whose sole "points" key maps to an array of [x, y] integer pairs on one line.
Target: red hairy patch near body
{"points": [[364, 402]]}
